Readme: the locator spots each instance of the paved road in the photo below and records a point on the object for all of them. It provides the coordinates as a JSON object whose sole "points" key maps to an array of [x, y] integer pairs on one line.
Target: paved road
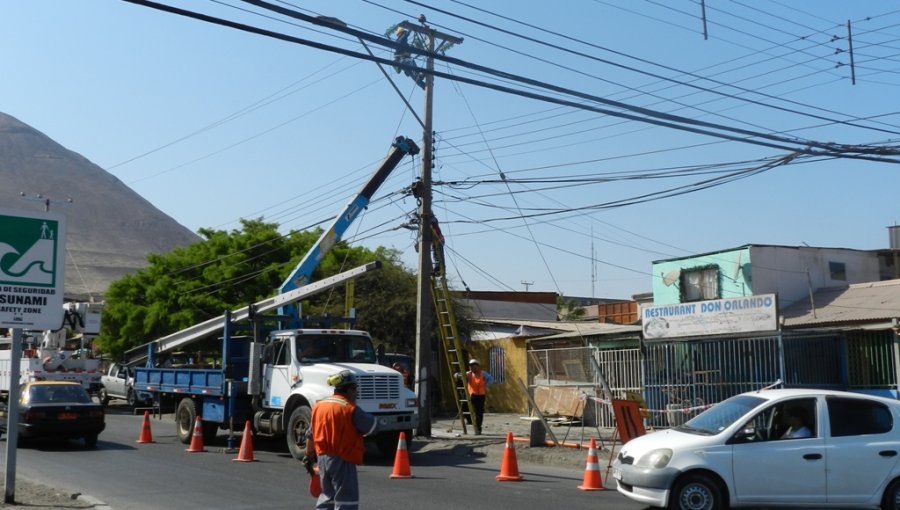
{"points": [[162, 475]]}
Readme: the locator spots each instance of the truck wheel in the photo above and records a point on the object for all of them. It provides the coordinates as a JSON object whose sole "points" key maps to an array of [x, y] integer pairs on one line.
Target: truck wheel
{"points": [[131, 398], [295, 434], [185, 416], [103, 396], [387, 442]]}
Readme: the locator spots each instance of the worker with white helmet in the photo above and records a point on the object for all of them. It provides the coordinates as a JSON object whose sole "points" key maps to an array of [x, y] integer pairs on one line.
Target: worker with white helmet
{"points": [[477, 381], [336, 441]]}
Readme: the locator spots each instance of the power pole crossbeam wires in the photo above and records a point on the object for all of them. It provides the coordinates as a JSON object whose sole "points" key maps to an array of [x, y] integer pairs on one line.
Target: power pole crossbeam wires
{"points": [[425, 373]]}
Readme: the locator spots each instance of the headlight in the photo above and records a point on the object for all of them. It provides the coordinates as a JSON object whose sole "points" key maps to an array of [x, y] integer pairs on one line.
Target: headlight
{"points": [[411, 402], [656, 459]]}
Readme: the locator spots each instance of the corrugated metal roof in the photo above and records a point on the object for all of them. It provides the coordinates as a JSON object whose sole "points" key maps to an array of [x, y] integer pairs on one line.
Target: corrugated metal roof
{"points": [[860, 302], [593, 330]]}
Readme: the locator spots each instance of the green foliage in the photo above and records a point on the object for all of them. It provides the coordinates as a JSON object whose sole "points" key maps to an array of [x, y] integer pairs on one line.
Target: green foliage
{"points": [[568, 310], [229, 270]]}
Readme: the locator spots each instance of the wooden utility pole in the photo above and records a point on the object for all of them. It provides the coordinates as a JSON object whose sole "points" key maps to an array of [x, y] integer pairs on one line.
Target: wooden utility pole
{"points": [[425, 373]]}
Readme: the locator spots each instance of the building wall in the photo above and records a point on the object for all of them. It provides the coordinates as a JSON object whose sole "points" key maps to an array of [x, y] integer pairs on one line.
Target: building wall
{"points": [[786, 271], [732, 282], [789, 272], [506, 396]]}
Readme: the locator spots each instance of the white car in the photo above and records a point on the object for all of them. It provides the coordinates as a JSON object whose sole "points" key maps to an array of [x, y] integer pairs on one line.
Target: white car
{"points": [[739, 453]]}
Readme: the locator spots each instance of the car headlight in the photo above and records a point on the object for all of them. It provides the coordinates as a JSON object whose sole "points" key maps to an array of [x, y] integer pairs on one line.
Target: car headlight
{"points": [[656, 459], [411, 402]]}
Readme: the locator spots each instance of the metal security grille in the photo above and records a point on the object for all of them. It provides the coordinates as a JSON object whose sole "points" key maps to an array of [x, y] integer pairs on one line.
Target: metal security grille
{"points": [[622, 370], [378, 387], [813, 362], [497, 365], [870, 360], [680, 375]]}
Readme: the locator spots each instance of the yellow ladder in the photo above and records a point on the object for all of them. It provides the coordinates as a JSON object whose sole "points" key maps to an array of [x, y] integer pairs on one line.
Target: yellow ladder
{"points": [[453, 353]]}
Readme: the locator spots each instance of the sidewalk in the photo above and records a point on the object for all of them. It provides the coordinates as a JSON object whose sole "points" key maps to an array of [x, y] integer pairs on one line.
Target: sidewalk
{"points": [[447, 435]]}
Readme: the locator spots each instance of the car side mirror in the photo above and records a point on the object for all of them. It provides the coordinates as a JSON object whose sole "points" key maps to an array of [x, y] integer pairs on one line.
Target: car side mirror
{"points": [[745, 435]]}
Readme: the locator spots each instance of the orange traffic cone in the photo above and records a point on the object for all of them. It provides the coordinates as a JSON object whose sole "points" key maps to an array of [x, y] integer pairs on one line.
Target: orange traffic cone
{"points": [[146, 436], [401, 460], [509, 470], [197, 438], [246, 452], [592, 471]]}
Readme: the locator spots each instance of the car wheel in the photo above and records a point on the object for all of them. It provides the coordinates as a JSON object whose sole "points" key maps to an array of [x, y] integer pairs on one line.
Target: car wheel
{"points": [[891, 499], [297, 426], [131, 398], [90, 441], [185, 416], [696, 492], [103, 396]]}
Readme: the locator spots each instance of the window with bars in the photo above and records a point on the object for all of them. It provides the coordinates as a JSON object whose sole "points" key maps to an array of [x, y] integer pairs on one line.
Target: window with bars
{"points": [[700, 284], [497, 366]]}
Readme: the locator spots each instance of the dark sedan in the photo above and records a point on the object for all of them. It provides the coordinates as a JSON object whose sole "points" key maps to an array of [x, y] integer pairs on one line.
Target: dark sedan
{"points": [[63, 410]]}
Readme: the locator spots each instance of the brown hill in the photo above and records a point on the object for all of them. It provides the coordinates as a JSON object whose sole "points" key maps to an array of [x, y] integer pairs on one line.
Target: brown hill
{"points": [[110, 228]]}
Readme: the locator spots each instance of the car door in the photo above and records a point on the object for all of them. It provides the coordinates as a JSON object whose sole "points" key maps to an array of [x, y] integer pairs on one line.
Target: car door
{"points": [[278, 379], [118, 382], [863, 448], [768, 469]]}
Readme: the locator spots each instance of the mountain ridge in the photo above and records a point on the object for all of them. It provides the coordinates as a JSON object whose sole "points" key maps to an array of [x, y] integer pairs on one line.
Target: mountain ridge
{"points": [[110, 229]]}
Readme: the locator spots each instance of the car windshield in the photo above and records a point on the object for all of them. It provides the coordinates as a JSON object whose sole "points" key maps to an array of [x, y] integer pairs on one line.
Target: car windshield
{"points": [[335, 349], [50, 394], [721, 416]]}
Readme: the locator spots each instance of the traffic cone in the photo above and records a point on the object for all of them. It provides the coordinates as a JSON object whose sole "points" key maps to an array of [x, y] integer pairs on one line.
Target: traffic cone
{"points": [[246, 452], [197, 438], [592, 471], [509, 469], [401, 459], [146, 436]]}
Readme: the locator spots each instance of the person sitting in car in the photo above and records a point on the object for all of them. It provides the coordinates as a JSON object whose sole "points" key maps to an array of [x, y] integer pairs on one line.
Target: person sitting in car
{"points": [[797, 428]]}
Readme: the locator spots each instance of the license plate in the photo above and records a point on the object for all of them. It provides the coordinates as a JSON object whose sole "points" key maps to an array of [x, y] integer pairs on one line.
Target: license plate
{"points": [[67, 416]]}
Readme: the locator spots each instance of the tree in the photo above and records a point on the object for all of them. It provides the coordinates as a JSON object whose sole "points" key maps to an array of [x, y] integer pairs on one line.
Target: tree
{"points": [[229, 270], [568, 310]]}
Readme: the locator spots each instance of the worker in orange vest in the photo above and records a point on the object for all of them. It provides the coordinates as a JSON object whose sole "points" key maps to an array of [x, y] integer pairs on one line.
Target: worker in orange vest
{"points": [[477, 381], [335, 440]]}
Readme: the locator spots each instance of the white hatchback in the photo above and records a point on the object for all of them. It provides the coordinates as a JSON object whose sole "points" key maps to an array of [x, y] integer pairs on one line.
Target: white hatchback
{"points": [[790, 447]]}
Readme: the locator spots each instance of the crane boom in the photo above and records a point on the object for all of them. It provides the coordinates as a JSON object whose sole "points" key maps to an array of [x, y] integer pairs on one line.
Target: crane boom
{"points": [[196, 332], [302, 273]]}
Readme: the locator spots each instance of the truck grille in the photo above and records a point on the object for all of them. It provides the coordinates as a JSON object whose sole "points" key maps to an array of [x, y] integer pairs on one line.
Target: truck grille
{"points": [[378, 387]]}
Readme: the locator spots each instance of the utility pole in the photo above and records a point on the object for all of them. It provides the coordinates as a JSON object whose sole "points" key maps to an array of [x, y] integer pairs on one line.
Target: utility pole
{"points": [[425, 373]]}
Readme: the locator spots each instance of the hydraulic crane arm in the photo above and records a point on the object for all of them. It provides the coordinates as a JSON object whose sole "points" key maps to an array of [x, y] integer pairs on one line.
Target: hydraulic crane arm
{"points": [[303, 271]]}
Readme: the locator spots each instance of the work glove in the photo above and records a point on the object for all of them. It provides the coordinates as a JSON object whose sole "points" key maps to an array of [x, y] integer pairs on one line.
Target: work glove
{"points": [[308, 462]]}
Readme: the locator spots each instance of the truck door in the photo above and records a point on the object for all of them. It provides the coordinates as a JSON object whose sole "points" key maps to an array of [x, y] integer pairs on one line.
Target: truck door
{"points": [[278, 377]]}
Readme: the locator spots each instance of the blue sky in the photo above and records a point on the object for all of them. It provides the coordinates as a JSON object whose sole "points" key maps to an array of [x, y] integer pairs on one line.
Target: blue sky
{"points": [[211, 124]]}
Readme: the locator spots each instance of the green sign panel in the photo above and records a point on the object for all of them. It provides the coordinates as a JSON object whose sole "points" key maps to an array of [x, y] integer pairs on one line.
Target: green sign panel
{"points": [[32, 269]]}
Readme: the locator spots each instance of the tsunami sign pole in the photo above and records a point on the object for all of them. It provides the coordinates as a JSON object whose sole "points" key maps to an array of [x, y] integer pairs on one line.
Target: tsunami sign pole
{"points": [[32, 283]]}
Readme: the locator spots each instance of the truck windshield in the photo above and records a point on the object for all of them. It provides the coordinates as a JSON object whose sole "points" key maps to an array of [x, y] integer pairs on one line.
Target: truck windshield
{"points": [[335, 349]]}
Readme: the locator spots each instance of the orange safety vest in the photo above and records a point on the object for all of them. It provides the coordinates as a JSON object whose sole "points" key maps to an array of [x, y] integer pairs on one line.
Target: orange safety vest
{"points": [[333, 430], [476, 383]]}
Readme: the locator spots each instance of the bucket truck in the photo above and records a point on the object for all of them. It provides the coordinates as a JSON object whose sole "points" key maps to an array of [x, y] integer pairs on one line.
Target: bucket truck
{"points": [[273, 376], [62, 354]]}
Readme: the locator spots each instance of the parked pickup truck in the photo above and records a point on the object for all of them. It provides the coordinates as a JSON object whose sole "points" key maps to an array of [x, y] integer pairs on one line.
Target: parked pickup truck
{"points": [[118, 382]]}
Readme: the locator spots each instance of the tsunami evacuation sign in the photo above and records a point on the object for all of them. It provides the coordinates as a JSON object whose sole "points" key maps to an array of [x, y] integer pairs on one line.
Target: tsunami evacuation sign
{"points": [[32, 269]]}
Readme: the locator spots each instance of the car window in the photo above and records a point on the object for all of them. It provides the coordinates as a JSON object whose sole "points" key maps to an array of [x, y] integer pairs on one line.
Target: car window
{"points": [[856, 416], [48, 394], [786, 419]]}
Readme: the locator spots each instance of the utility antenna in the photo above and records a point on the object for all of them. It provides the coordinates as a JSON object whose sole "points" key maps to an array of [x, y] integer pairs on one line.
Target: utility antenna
{"points": [[593, 264], [526, 284]]}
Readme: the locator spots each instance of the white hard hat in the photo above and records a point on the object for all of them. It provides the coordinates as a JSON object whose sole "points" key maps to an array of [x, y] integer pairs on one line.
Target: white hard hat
{"points": [[474, 361]]}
